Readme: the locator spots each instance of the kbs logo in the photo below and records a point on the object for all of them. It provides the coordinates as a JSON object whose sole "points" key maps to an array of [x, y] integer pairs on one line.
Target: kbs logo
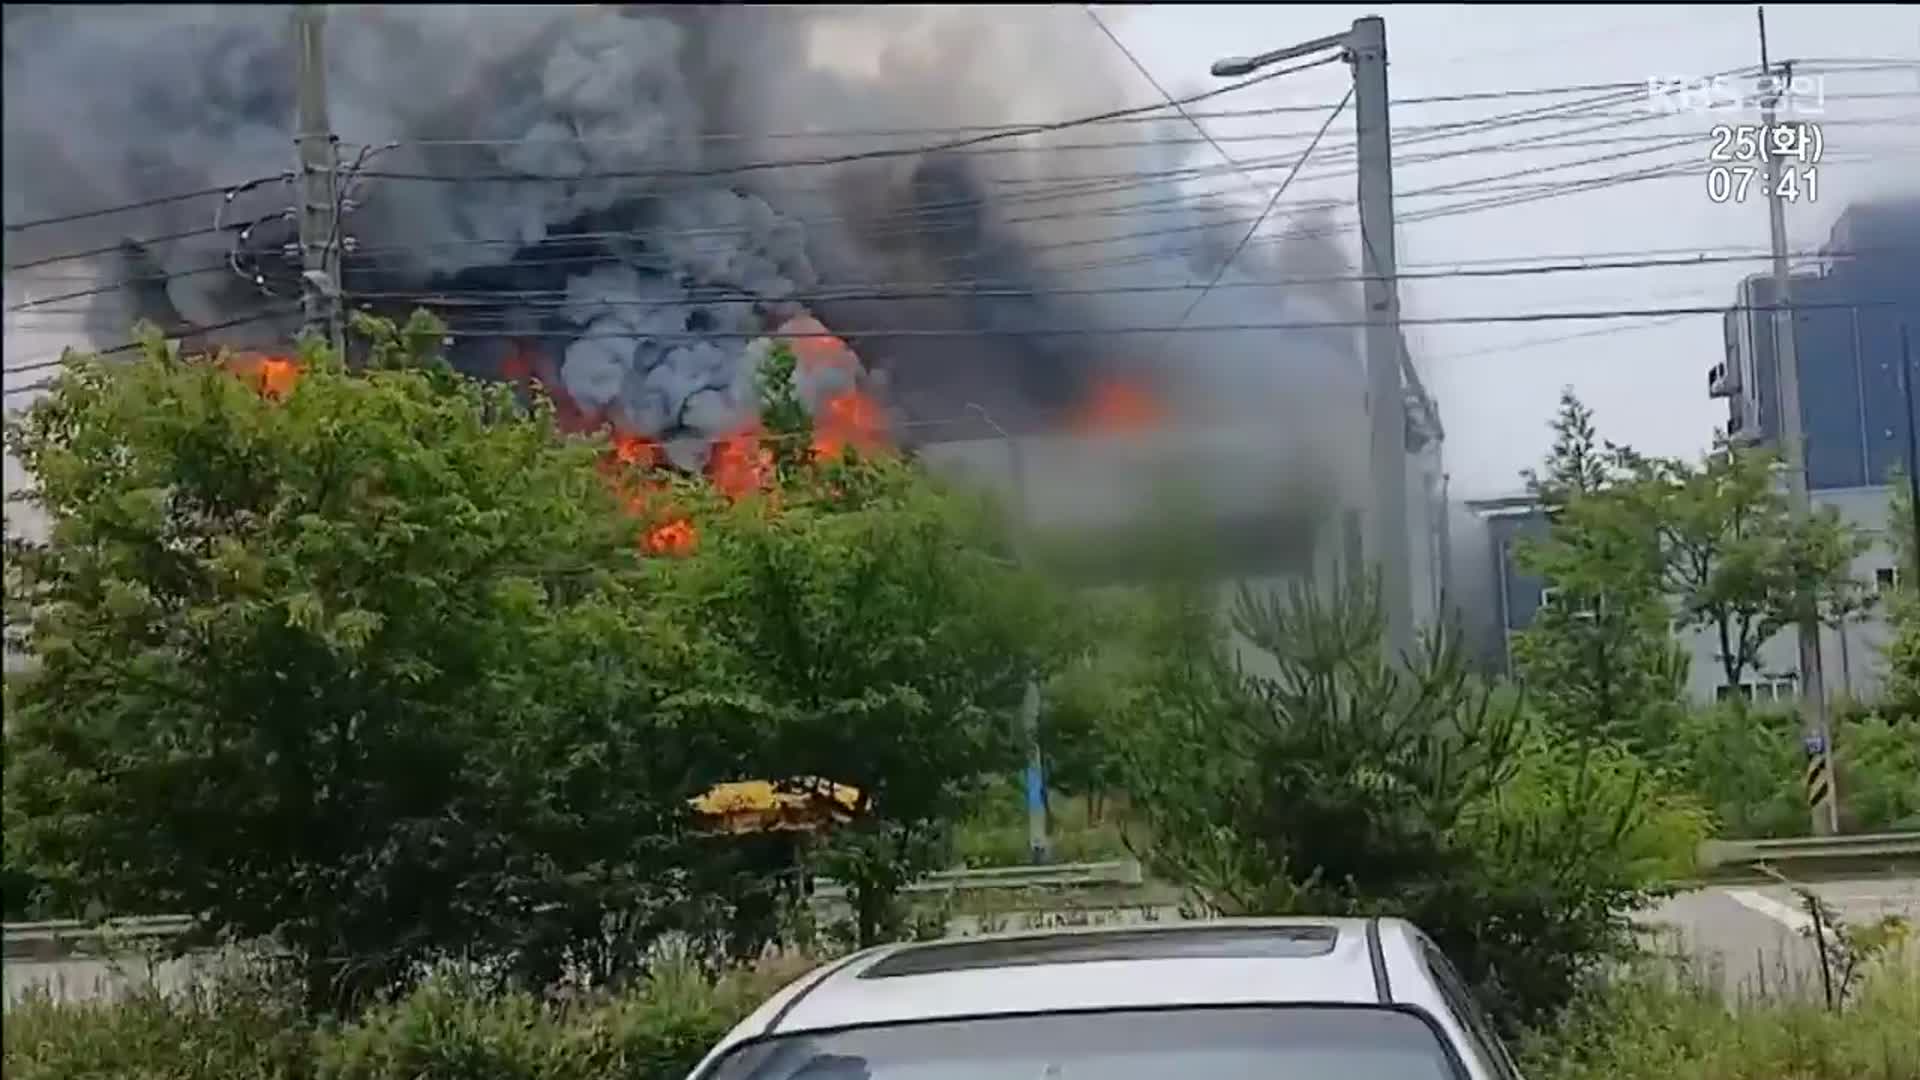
{"points": [[1798, 95]]}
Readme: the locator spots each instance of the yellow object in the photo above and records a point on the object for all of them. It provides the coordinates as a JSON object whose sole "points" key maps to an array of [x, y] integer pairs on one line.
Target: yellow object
{"points": [[757, 806]]}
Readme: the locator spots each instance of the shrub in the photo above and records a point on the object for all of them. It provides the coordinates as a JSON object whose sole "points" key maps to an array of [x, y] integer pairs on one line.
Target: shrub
{"points": [[455, 1025], [1670, 1025], [1746, 764], [451, 1027], [1878, 762], [1346, 783], [237, 1028]]}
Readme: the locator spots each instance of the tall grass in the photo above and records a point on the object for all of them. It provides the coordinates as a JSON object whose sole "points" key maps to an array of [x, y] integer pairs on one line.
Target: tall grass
{"points": [[1672, 1021]]}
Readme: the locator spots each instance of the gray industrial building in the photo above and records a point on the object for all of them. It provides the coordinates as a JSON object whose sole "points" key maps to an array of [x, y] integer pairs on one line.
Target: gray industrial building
{"points": [[1850, 305]]}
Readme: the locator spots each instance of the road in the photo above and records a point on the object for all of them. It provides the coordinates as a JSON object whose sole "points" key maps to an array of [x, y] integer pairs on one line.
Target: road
{"points": [[1750, 940]]}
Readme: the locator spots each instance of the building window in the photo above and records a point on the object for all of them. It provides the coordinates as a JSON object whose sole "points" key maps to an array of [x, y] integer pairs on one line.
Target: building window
{"points": [[1886, 578], [1585, 607], [1767, 690]]}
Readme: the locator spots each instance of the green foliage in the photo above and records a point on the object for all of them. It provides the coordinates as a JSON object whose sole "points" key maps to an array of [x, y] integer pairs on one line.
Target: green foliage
{"points": [[238, 1028], [370, 665], [1735, 559], [1662, 1024], [1599, 660], [1745, 763], [1877, 762], [1346, 783], [1900, 695], [453, 1026], [881, 642]]}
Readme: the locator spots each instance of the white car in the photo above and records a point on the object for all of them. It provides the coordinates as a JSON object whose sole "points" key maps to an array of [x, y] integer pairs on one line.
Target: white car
{"points": [[1260, 999]]}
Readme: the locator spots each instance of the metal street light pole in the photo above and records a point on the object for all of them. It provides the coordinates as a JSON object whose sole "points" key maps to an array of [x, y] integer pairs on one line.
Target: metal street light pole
{"points": [[1039, 849], [1365, 46]]}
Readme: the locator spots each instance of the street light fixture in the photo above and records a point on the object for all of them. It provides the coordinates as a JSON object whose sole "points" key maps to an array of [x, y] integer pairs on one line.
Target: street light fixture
{"points": [[1235, 66]]}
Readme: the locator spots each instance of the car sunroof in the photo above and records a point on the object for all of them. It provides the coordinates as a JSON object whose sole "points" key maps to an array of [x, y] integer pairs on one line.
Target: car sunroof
{"points": [[1198, 943]]}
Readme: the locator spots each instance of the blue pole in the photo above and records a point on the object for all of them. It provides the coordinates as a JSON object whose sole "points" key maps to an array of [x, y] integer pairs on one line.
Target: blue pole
{"points": [[1037, 847]]}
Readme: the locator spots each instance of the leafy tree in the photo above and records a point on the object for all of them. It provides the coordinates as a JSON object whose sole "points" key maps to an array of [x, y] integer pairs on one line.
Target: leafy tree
{"points": [[1599, 660], [1735, 559], [1900, 694], [368, 663], [884, 639], [1346, 783]]}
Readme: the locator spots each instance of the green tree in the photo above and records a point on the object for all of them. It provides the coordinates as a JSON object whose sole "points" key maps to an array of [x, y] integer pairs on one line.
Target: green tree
{"points": [[1599, 660], [369, 663], [1345, 782], [1900, 694], [885, 638], [1735, 560]]}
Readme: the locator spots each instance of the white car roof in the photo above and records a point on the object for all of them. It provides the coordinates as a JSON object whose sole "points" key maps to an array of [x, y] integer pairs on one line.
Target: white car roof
{"points": [[1218, 962]]}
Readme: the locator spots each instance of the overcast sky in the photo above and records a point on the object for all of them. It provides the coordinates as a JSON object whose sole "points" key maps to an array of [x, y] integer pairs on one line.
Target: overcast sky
{"points": [[1496, 391]]}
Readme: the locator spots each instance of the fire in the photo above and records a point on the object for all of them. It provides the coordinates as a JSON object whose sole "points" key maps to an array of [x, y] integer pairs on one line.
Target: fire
{"points": [[740, 465], [676, 537], [274, 376], [848, 419], [820, 352], [1118, 406], [636, 450]]}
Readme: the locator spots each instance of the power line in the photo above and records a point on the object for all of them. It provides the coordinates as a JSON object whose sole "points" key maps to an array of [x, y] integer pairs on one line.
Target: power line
{"points": [[1072, 331], [163, 200], [865, 155], [111, 249], [1658, 172], [1559, 141], [208, 328], [1638, 86], [556, 299], [884, 333], [1605, 331]]}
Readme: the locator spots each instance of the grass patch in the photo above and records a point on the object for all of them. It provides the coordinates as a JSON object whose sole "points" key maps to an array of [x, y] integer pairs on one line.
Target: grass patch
{"points": [[997, 835], [1670, 1021]]}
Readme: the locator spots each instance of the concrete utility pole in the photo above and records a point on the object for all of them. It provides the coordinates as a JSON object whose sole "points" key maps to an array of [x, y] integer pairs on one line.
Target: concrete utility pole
{"points": [[1365, 46], [1039, 847], [319, 175], [1386, 403], [1813, 690]]}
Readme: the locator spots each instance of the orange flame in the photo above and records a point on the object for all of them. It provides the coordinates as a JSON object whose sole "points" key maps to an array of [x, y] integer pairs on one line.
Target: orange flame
{"points": [[676, 537], [273, 376], [821, 351], [740, 465], [1118, 406], [636, 450], [848, 419]]}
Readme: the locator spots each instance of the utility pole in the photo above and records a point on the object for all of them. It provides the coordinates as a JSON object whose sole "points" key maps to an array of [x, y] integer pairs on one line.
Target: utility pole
{"points": [[1039, 847], [1912, 469], [1386, 402], [319, 175], [1365, 48], [1813, 690]]}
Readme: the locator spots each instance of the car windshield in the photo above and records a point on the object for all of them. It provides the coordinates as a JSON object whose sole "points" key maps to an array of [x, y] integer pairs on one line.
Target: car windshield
{"points": [[1256, 1043]]}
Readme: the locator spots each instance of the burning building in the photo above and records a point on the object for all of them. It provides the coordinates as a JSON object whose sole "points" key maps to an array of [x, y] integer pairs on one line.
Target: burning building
{"points": [[630, 203]]}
